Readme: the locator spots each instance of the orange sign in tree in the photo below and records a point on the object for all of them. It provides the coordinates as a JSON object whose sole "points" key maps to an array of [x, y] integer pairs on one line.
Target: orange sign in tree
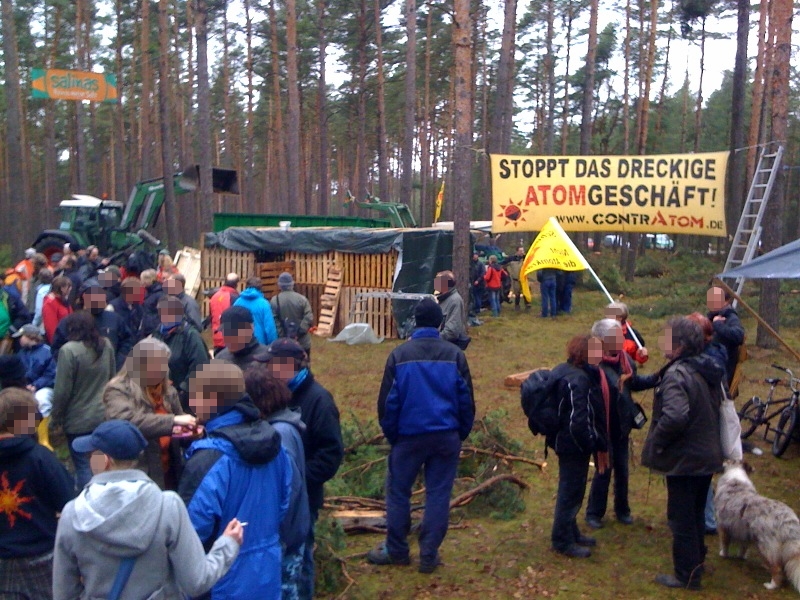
{"points": [[60, 84]]}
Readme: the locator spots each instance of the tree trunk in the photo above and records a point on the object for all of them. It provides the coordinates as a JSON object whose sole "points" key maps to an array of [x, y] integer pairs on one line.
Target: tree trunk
{"points": [[565, 102], [698, 111], [19, 233], [383, 159], [736, 178], [249, 162], [170, 209], [293, 111], [206, 195], [753, 136], [769, 306], [409, 104], [121, 188], [322, 113], [462, 160], [588, 82], [502, 116], [80, 140], [426, 137], [550, 79], [279, 200], [361, 168]]}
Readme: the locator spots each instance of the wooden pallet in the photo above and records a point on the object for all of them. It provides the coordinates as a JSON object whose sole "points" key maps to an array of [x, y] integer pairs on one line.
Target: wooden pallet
{"points": [[269, 273], [188, 262], [329, 302]]}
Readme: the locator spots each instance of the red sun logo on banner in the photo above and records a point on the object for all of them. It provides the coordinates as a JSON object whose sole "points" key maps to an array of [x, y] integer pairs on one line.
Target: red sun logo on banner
{"points": [[513, 212]]}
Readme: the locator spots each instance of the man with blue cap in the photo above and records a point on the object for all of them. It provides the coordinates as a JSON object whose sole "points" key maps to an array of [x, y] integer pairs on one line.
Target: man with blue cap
{"points": [[123, 526]]}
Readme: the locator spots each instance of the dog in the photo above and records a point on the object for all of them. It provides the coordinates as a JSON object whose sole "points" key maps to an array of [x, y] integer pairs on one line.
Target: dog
{"points": [[744, 517]]}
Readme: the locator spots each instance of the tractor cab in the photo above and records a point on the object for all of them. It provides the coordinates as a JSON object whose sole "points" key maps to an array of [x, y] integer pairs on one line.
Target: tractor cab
{"points": [[90, 220]]}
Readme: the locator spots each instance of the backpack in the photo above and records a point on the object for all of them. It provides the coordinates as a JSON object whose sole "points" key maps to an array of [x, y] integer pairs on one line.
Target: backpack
{"points": [[539, 402]]}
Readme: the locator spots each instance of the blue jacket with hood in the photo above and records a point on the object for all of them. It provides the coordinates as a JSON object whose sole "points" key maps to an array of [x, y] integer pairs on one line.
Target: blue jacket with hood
{"points": [[240, 470], [263, 321], [426, 388]]}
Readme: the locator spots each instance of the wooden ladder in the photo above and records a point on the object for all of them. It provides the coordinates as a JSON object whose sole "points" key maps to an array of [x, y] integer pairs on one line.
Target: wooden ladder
{"points": [[329, 302]]}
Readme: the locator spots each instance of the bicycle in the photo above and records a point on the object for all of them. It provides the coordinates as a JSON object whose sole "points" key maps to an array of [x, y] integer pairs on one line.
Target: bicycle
{"points": [[756, 412]]}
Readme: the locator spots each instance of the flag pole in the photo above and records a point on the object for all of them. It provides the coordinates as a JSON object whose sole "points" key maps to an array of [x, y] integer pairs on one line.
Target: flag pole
{"points": [[605, 291]]}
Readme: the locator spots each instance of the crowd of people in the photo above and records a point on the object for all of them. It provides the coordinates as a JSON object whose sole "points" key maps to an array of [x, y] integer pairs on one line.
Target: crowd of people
{"points": [[495, 281], [596, 413], [191, 475], [205, 476]]}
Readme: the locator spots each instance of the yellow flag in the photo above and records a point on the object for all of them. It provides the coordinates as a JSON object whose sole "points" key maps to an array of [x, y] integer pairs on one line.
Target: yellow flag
{"points": [[552, 249], [439, 203]]}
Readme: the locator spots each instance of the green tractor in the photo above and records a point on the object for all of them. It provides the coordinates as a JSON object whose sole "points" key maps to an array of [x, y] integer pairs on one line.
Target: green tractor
{"points": [[397, 212], [118, 229]]}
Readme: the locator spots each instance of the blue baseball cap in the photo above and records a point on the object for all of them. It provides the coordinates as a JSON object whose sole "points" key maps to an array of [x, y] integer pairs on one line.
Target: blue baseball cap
{"points": [[118, 439]]}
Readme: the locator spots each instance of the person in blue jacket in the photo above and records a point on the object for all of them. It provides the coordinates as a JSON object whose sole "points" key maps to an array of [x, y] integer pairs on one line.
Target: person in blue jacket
{"points": [[40, 366], [253, 300], [272, 398], [426, 408], [239, 470]]}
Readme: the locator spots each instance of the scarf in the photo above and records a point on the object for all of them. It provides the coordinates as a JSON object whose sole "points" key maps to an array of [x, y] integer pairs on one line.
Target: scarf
{"points": [[155, 393], [603, 461], [295, 382]]}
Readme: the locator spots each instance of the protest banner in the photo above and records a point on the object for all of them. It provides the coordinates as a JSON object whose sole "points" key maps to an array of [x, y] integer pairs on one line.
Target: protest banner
{"points": [[667, 193]]}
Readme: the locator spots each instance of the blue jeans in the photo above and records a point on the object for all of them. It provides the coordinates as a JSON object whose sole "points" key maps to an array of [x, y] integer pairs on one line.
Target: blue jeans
{"points": [[566, 296], [305, 581], [573, 470], [709, 516], [494, 301], [477, 298], [686, 500], [438, 453], [83, 471], [598, 494], [548, 289]]}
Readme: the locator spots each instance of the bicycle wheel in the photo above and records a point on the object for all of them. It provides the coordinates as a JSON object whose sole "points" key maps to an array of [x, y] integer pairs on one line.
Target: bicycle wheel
{"points": [[784, 430], [751, 416]]}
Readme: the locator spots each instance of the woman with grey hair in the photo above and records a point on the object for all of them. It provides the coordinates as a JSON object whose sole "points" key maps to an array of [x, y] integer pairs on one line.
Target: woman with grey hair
{"points": [[633, 343], [617, 379], [683, 443], [141, 393]]}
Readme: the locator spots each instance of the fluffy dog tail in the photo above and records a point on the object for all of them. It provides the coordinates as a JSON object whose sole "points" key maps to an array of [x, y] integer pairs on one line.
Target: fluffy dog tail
{"points": [[790, 553]]}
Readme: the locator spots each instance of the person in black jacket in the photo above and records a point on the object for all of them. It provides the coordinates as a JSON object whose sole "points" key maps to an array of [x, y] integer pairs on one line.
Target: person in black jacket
{"points": [[728, 329], [110, 324], [618, 378], [128, 305], [683, 443], [37, 487], [187, 349], [322, 440], [153, 292], [581, 434], [241, 346]]}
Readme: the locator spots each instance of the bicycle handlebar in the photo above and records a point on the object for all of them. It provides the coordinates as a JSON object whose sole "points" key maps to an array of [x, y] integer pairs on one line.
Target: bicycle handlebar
{"points": [[793, 381]]}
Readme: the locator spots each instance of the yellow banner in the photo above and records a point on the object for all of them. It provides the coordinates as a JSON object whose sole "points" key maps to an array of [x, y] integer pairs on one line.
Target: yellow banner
{"points": [[665, 193], [552, 249], [60, 84], [439, 203]]}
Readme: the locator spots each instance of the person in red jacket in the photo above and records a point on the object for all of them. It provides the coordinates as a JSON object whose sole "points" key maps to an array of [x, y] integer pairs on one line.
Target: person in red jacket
{"points": [[633, 344], [56, 305], [494, 284], [221, 301]]}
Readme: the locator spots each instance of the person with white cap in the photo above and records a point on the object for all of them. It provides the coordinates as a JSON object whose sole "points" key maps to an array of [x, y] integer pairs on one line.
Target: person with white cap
{"points": [[123, 528], [293, 313]]}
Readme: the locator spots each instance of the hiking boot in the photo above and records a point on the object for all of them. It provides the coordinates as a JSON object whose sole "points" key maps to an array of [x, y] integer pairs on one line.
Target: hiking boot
{"points": [[625, 519], [381, 556], [427, 566], [594, 523], [575, 551], [586, 541], [671, 581]]}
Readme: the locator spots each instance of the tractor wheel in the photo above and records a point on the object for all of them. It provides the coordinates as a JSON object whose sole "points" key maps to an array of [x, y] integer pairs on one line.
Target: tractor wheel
{"points": [[50, 245]]}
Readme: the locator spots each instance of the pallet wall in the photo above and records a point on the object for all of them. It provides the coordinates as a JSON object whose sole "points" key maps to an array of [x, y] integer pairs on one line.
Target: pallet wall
{"points": [[360, 273]]}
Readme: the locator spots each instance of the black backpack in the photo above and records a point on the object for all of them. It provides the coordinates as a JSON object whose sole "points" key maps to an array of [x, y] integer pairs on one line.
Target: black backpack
{"points": [[539, 402]]}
